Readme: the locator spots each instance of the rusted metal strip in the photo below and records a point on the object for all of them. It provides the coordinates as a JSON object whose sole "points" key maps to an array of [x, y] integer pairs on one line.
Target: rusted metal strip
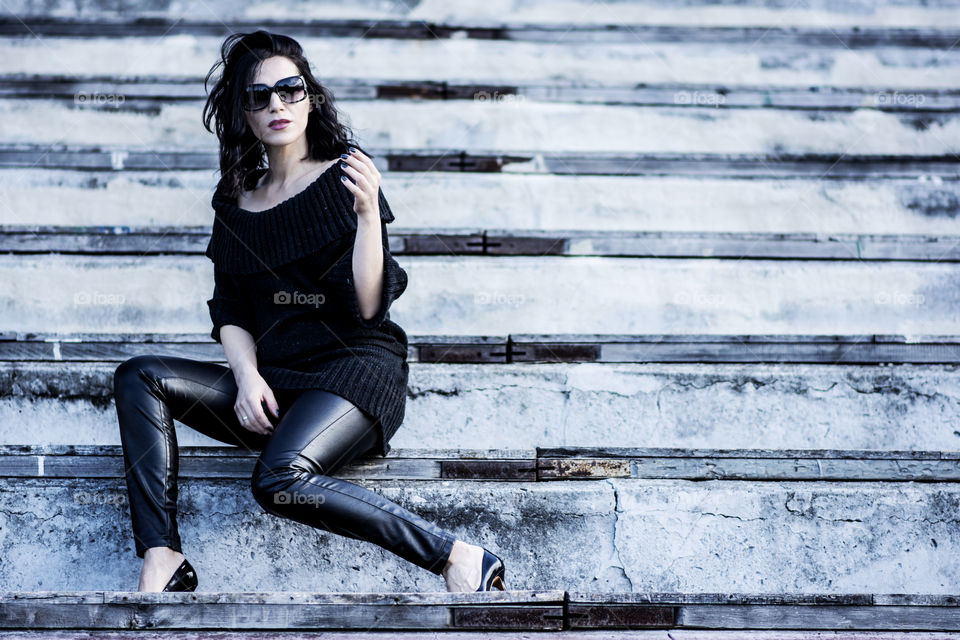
{"points": [[582, 468], [441, 244], [620, 616], [553, 352], [522, 470], [462, 353], [531, 617], [439, 90], [509, 245]]}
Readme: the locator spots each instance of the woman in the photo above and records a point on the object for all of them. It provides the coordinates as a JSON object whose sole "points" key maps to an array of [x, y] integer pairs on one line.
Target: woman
{"points": [[303, 278]]}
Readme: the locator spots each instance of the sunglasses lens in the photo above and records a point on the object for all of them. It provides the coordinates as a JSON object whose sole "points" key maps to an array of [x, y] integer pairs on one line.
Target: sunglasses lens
{"points": [[291, 90], [256, 97]]}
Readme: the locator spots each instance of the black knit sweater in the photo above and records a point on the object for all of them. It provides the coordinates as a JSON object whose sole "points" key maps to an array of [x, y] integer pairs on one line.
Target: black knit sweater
{"points": [[286, 276]]}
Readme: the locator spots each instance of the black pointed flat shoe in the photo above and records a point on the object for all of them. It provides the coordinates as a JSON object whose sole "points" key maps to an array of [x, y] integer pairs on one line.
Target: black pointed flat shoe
{"points": [[491, 572], [184, 578]]}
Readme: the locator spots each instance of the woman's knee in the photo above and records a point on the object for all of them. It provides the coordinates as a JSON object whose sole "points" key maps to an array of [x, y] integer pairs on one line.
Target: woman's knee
{"points": [[148, 363], [271, 483], [133, 370]]}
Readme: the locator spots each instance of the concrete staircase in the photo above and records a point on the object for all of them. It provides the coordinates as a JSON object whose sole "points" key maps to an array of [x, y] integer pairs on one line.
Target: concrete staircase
{"points": [[706, 387]]}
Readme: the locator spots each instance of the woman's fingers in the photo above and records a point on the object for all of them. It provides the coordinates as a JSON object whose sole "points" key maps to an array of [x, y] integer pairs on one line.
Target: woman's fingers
{"points": [[247, 422], [370, 169], [256, 418], [365, 183], [272, 406], [356, 170]]}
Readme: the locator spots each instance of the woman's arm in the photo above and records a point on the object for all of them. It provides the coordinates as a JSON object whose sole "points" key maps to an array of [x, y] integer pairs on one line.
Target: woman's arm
{"points": [[368, 266], [371, 279], [252, 389], [233, 325], [240, 350]]}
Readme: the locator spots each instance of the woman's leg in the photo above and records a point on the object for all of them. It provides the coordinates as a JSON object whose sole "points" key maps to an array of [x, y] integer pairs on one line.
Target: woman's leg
{"points": [[320, 433], [151, 391]]}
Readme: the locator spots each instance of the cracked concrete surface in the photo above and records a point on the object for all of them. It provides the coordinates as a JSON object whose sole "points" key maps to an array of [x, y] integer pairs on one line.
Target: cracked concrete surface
{"points": [[605, 535], [902, 407]]}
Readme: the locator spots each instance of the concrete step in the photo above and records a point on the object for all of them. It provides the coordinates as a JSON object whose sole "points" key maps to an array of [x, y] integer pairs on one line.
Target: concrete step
{"points": [[167, 294], [446, 200], [510, 126], [815, 13], [822, 55], [639, 391], [143, 240], [507, 616], [633, 534]]}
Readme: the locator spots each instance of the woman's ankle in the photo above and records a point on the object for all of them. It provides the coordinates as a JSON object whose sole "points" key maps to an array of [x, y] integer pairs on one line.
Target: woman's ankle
{"points": [[159, 563], [154, 554], [457, 553]]}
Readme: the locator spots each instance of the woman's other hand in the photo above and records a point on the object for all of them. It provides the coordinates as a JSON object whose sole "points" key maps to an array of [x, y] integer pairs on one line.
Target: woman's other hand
{"points": [[253, 393]]}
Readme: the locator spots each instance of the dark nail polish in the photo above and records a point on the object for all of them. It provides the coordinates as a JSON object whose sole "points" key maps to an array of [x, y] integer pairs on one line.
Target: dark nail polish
{"points": [[343, 164], [344, 178], [352, 150], [343, 155]]}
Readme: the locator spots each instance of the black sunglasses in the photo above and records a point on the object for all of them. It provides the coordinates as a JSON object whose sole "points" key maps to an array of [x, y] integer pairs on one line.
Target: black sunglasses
{"points": [[290, 90]]}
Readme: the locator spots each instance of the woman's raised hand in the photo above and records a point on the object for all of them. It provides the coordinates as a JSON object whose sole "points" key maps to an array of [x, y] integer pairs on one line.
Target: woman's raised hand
{"points": [[362, 178]]}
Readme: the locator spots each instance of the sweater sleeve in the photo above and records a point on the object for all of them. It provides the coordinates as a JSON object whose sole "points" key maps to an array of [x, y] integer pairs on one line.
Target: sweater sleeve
{"points": [[341, 280], [227, 306]]}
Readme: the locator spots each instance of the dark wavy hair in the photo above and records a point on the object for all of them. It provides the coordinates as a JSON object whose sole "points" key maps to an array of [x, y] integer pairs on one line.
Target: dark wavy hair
{"points": [[242, 154]]}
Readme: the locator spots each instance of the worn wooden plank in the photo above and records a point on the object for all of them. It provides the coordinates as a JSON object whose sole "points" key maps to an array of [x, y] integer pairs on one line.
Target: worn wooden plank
{"points": [[675, 452], [825, 166], [596, 463], [819, 617], [148, 91], [397, 454], [586, 338], [554, 32], [877, 13], [154, 240], [705, 468], [809, 165], [746, 598], [531, 610], [132, 610], [527, 348], [610, 634]]}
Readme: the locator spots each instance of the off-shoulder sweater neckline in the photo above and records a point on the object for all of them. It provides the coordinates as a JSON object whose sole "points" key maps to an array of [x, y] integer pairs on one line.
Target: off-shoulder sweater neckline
{"points": [[244, 241]]}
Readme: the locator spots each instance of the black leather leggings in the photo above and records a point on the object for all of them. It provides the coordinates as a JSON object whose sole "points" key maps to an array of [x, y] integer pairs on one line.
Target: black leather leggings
{"points": [[317, 433]]}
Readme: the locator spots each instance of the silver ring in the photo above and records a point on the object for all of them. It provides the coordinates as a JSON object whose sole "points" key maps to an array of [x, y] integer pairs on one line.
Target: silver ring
{"points": [[244, 418]]}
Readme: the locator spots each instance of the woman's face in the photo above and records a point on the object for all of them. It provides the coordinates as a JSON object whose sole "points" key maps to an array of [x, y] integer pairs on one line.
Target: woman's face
{"points": [[271, 70]]}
